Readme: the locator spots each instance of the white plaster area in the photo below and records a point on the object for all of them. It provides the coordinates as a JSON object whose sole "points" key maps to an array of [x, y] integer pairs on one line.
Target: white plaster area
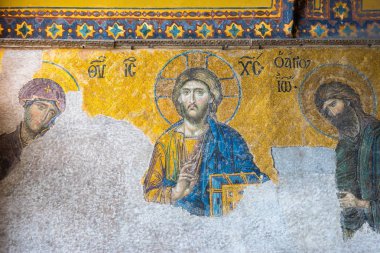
{"points": [[309, 205], [78, 189], [18, 67]]}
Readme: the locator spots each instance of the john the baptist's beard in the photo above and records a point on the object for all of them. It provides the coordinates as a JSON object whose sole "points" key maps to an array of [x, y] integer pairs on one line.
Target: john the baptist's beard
{"points": [[346, 122], [197, 115]]}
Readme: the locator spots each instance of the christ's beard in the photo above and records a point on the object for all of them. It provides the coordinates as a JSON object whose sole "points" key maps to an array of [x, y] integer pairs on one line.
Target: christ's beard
{"points": [[346, 122], [198, 117]]}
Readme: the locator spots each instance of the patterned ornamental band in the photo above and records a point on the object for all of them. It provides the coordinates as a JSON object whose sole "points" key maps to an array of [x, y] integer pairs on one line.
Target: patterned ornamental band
{"points": [[278, 19]]}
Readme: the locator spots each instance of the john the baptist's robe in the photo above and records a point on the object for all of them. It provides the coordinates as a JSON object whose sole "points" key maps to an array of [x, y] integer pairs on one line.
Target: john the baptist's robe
{"points": [[358, 171], [223, 151]]}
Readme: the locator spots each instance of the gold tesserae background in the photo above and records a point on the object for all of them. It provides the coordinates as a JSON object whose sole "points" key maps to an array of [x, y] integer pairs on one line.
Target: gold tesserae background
{"points": [[266, 116]]}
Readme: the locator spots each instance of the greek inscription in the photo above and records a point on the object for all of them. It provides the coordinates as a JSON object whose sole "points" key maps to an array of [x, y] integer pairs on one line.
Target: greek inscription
{"points": [[129, 66], [284, 83], [291, 62], [96, 68], [251, 65]]}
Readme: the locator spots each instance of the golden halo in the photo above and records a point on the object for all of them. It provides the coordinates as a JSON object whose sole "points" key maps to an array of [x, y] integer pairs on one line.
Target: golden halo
{"points": [[59, 74], [346, 74], [166, 78]]}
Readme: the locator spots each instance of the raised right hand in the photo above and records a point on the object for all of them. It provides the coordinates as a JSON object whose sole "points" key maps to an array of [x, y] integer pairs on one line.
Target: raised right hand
{"points": [[185, 183]]}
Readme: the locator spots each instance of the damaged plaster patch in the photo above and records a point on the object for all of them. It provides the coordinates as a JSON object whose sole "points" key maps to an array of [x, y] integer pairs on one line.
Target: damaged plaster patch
{"points": [[78, 188], [18, 67]]}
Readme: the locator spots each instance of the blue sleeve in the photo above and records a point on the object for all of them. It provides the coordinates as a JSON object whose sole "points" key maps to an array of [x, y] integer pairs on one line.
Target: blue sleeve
{"points": [[243, 158]]}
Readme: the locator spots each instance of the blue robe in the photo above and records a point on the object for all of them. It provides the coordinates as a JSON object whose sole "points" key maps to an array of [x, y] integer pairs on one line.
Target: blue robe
{"points": [[224, 151]]}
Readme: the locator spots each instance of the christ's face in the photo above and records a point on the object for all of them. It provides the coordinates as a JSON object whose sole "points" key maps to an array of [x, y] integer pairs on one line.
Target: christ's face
{"points": [[194, 99], [39, 115]]}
